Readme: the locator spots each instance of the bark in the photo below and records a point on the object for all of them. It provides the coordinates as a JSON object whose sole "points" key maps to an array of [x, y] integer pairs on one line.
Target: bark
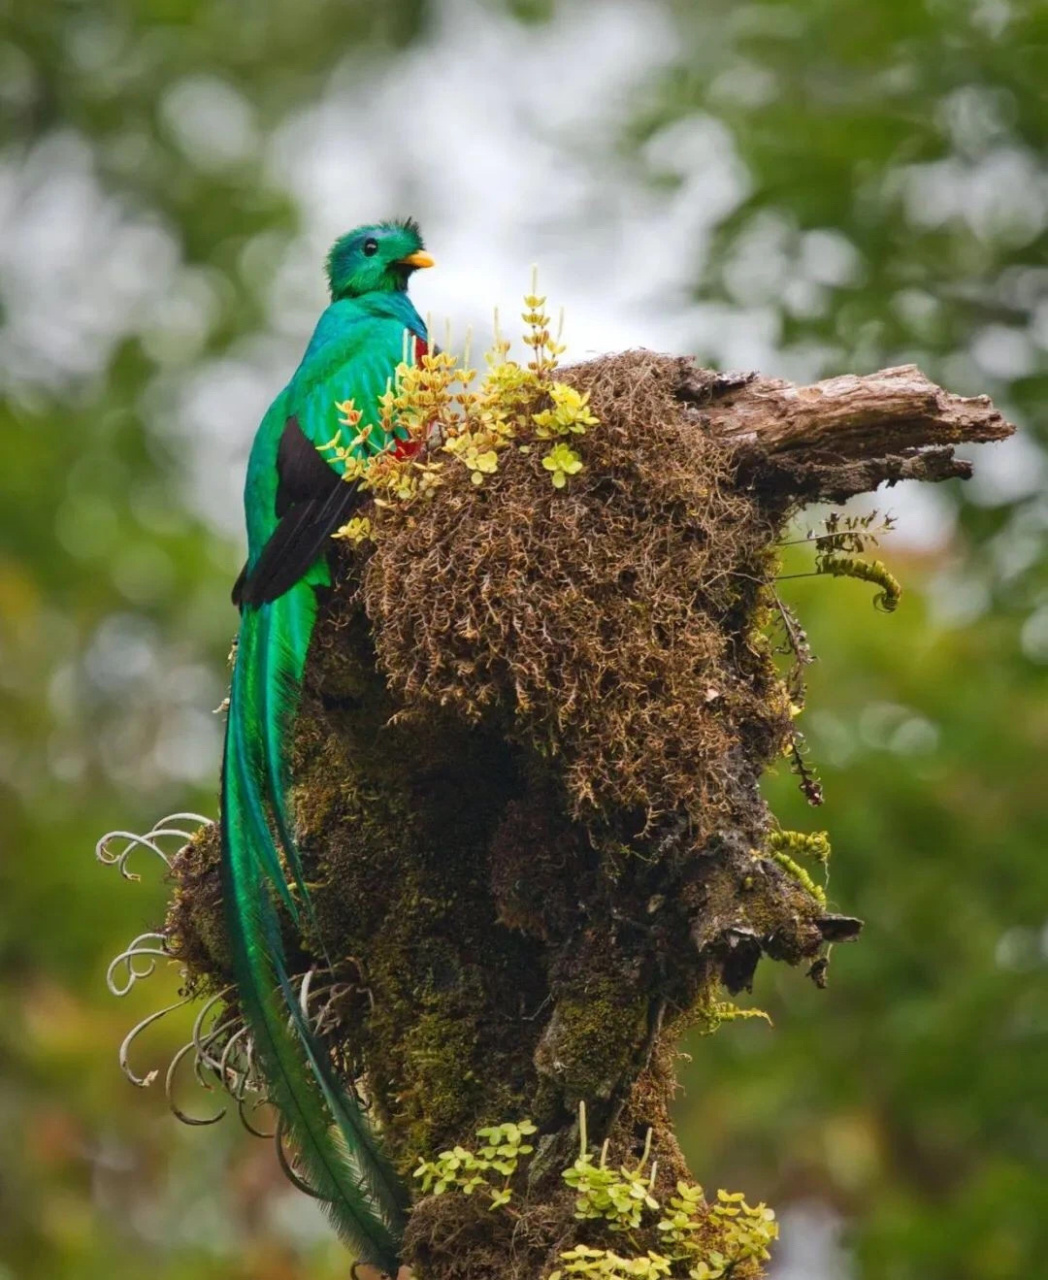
{"points": [[844, 435]]}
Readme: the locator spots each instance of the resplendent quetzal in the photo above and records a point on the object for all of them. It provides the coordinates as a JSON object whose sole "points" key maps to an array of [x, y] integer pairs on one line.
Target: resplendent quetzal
{"points": [[294, 501]]}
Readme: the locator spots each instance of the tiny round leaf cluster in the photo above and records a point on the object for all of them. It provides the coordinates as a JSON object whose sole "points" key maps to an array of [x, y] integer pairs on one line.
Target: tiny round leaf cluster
{"points": [[467, 1171]]}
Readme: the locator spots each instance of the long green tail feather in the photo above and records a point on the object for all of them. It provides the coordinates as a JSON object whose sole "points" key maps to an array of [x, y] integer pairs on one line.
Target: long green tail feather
{"points": [[284, 626], [281, 634], [246, 696], [336, 1149]]}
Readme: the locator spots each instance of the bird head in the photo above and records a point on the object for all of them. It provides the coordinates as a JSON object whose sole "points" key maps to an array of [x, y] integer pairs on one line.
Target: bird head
{"points": [[376, 259]]}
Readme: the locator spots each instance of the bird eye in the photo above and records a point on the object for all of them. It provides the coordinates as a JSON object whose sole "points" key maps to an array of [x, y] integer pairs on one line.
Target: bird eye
{"points": [[370, 247]]}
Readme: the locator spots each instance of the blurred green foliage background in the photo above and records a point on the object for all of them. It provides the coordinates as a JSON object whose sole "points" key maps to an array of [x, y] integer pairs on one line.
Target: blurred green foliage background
{"points": [[807, 186]]}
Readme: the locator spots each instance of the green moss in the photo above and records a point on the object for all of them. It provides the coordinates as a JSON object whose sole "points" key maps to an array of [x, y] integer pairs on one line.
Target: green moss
{"points": [[594, 1038], [441, 1089], [195, 923], [396, 833]]}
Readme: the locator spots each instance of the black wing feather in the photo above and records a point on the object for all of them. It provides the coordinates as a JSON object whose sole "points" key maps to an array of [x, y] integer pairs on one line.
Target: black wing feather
{"points": [[312, 502], [302, 474]]}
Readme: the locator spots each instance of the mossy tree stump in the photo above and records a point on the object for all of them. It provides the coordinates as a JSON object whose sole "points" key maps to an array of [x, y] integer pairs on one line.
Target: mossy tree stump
{"points": [[525, 776]]}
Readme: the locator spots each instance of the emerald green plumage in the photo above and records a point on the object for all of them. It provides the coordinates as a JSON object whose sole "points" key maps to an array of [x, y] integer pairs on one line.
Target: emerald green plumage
{"points": [[294, 500]]}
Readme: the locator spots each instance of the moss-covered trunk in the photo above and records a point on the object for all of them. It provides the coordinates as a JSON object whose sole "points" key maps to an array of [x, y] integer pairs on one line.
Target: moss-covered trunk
{"points": [[525, 779]]}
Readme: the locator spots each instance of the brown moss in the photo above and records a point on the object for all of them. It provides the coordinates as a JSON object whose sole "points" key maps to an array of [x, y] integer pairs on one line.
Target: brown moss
{"points": [[458, 1237], [647, 1106], [540, 865], [607, 621]]}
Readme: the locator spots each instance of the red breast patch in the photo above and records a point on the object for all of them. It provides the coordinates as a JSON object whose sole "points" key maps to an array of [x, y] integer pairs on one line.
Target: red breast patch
{"points": [[408, 448]]}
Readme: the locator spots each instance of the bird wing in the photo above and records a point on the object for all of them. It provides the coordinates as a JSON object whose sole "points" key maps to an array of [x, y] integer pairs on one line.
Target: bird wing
{"points": [[312, 501]]}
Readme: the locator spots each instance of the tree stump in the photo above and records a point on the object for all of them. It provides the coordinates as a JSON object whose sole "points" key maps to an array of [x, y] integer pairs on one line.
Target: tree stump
{"points": [[525, 781]]}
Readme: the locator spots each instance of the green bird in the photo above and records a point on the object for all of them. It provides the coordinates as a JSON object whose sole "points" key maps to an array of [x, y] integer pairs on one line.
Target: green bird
{"points": [[295, 499]]}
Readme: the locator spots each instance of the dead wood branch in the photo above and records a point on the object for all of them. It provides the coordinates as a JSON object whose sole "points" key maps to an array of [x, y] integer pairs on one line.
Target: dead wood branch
{"points": [[843, 435]]}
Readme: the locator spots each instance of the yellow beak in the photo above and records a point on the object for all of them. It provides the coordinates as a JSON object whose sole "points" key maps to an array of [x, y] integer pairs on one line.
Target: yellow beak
{"points": [[418, 259]]}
